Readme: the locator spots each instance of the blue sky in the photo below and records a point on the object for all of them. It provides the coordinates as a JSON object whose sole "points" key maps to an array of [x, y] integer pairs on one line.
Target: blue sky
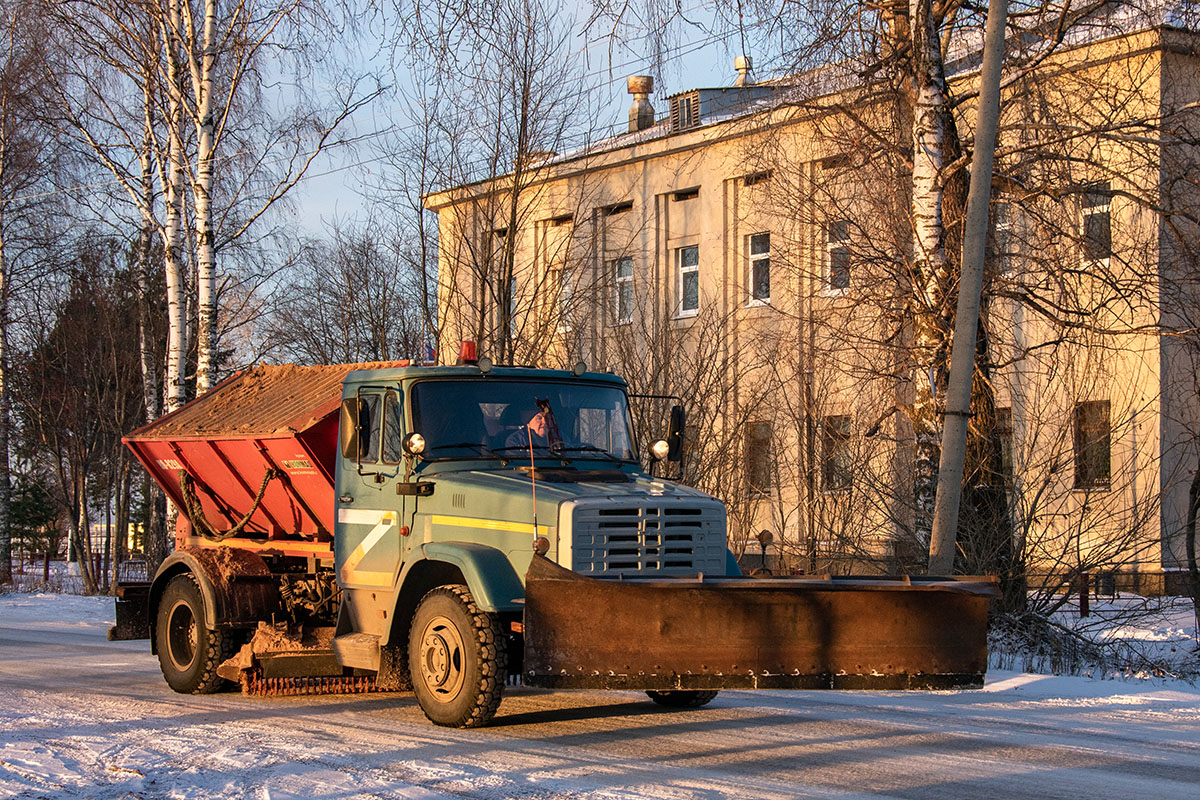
{"points": [[696, 58]]}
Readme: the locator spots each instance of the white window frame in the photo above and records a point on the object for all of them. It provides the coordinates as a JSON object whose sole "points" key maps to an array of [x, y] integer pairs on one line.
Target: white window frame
{"points": [[682, 273], [832, 245], [620, 284], [753, 259]]}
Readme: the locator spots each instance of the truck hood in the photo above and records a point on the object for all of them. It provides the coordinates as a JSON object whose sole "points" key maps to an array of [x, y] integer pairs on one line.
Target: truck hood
{"points": [[557, 485]]}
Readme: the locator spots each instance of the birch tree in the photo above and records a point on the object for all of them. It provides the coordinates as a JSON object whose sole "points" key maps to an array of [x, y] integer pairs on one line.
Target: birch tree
{"points": [[110, 93], [224, 50]]}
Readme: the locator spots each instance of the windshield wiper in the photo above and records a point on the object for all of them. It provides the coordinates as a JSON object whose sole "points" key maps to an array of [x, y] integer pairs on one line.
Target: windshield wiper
{"points": [[591, 448], [524, 448], [480, 449]]}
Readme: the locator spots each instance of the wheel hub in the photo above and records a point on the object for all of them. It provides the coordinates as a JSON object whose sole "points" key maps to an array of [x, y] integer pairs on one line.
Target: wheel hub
{"points": [[182, 636], [442, 658]]}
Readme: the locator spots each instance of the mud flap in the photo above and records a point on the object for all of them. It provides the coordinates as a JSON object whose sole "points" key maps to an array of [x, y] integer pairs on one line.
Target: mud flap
{"points": [[132, 613], [747, 633]]}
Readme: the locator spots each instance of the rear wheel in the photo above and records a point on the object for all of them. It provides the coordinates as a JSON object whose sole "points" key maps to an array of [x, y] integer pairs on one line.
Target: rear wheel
{"points": [[683, 698], [188, 652], [456, 659]]}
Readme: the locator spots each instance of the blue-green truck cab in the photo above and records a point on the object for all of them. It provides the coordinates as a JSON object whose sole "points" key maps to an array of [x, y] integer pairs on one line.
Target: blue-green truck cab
{"points": [[443, 480]]}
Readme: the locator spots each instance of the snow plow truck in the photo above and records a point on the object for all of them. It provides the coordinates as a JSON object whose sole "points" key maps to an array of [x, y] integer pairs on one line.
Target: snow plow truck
{"points": [[449, 530]]}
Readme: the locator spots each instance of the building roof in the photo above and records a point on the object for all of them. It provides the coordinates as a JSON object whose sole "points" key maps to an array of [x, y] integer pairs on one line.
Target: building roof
{"points": [[1099, 22]]}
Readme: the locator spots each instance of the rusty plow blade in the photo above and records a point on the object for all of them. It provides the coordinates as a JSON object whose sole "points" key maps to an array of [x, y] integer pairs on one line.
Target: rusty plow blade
{"points": [[748, 633]]}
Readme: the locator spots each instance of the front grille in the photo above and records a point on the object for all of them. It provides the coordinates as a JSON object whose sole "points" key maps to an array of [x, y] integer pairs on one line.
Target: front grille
{"points": [[665, 535]]}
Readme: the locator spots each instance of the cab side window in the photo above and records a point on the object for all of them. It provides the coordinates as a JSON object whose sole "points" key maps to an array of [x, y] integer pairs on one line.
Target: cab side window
{"points": [[368, 428], [393, 436]]}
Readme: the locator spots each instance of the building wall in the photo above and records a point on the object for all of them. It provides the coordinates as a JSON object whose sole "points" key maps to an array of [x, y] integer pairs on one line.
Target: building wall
{"points": [[824, 365]]}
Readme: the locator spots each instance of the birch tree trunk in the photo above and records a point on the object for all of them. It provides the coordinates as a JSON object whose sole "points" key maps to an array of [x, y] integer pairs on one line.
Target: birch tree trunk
{"points": [[172, 180], [151, 398], [930, 268], [202, 184]]}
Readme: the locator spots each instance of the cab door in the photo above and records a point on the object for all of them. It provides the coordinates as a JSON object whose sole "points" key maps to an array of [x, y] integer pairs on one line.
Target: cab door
{"points": [[370, 513]]}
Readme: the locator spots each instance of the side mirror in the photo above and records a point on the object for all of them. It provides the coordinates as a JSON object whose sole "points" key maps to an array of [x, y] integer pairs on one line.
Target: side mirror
{"points": [[348, 426], [675, 435]]}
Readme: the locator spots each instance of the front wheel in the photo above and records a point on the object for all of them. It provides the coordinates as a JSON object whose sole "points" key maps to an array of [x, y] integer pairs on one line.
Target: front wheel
{"points": [[683, 698], [188, 652], [456, 658]]}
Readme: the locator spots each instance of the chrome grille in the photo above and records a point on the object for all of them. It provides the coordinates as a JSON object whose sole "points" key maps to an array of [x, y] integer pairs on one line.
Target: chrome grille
{"points": [[659, 535]]}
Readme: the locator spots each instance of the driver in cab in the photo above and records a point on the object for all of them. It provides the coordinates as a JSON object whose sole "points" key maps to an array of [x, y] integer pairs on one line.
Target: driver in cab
{"points": [[532, 432]]}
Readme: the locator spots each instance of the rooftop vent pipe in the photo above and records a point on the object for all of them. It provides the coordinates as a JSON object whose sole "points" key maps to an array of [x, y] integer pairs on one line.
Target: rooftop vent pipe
{"points": [[641, 113], [743, 65]]}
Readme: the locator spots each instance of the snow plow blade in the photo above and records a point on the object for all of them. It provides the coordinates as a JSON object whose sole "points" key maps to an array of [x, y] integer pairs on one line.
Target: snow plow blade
{"points": [[750, 633]]}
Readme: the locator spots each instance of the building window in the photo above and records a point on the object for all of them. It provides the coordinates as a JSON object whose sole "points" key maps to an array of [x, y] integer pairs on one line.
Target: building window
{"points": [[622, 270], [566, 299], [760, 267], [1093, 440], [758, 458], [687, 261], [838, 254], [755, 178], [837, 468], [685, 111], [1097, 224], [1003, 433], [1001, 247]]}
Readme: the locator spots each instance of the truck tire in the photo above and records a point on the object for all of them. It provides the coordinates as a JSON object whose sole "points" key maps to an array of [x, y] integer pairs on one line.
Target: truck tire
{"points": [[456, 659], [188, 652], [683, 698]]}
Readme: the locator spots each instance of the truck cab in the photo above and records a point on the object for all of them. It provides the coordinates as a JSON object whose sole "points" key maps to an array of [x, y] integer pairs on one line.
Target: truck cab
{"points": [[461, 475]]}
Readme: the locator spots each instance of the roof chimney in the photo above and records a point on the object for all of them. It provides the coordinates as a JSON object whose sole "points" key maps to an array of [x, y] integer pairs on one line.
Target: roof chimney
{"points": [[641, 113], [743, 65]]}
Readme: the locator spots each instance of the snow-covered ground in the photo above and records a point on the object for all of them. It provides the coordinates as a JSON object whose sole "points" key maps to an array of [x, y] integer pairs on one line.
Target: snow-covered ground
{"points": [[81, 717]]}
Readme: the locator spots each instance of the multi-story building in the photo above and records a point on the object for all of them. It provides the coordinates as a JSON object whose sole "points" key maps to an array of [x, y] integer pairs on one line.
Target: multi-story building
{"points": [[750, 250]]}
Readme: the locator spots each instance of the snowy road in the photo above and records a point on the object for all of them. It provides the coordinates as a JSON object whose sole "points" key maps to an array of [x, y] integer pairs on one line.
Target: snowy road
{"points": [[81, 717]]}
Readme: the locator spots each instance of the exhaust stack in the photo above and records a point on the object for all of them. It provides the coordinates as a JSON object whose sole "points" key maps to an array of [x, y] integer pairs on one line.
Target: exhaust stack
{"points": [[743, 65], [641, 113]]}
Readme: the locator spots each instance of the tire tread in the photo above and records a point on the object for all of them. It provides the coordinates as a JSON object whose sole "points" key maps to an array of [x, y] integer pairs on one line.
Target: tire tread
{"points": [[219, 646], [492, 659]]}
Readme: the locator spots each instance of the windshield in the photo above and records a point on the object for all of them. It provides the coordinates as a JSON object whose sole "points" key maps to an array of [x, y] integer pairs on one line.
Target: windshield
{"points": [[498, 418]]}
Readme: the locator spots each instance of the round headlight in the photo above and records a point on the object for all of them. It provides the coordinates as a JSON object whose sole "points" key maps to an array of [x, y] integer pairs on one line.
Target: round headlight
{"points": [[659, 449], [414, 443]]}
